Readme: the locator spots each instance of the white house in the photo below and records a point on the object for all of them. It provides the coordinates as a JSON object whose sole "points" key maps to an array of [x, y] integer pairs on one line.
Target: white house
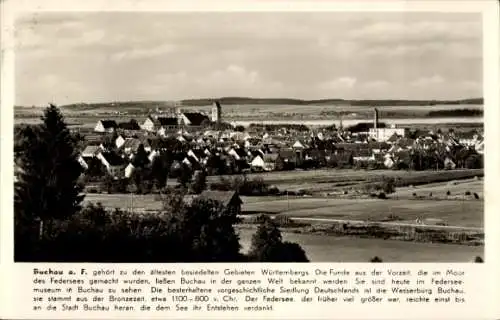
{"points": [[257, 163], [114, 164], [383, 134], [105, 126]]}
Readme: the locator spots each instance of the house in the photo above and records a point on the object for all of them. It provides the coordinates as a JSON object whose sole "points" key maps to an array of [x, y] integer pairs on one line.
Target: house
{"points": [[160, 124], [467, 138], [267, 162], [299, 144], [131, 145], [362, 155], [115, 165], [105, 126], [193, 119], [229, 199]]}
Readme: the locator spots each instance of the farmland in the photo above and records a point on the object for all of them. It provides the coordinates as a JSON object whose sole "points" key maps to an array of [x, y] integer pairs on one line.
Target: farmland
{"points": [[86, 116]]}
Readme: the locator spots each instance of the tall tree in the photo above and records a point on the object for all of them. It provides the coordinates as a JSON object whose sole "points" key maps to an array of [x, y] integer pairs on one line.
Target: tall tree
{"points": [[141, 157], [47, 186]]}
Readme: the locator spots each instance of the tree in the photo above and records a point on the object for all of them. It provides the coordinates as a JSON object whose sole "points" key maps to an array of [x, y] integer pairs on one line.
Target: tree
{"points": [[140, 159], [184, 175], [47, 187], [200, 182], [267, 236], [375, 259], [267, 245]]}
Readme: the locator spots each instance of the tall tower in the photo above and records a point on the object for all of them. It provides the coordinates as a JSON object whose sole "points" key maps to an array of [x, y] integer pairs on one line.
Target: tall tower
{"points": [[216, 112], [375, 118]]}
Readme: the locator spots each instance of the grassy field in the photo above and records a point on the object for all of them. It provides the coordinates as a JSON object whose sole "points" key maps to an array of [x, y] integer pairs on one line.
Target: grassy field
{"points": [[452, 212], [348, 175], [457, 189], [320, 248]]}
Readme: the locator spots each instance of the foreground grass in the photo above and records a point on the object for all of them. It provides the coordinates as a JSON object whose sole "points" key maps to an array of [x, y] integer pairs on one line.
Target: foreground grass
{"points": [[324, 248]]}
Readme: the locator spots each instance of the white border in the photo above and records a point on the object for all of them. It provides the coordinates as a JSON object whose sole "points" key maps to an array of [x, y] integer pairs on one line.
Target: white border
{"points": [[12, 8]]}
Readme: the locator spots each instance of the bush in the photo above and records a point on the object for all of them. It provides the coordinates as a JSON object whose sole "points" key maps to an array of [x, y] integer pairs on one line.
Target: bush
{"points": [[476, 196], [478, 259], [375, 259], [467, 193], [414, 194], [448, 193], [382, 195]]}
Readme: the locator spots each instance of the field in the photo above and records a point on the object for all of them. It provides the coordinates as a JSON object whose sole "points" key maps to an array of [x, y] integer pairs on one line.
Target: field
{"points": [[328, 180], [451, 212], [87, 117], [321, 248], [464, 213]]}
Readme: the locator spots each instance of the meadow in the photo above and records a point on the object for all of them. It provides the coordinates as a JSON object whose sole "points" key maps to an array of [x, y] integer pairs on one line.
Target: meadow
{"points": [[324, 248]]}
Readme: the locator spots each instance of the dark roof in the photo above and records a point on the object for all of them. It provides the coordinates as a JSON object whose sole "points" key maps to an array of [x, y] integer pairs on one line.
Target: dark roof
{"points": [[129, 126], [225, 197], [195, 118], [109, 124], [164, 121], [113, 159]]}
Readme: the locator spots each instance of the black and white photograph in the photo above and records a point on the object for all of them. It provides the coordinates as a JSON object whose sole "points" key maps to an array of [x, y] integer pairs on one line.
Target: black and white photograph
{"points": [[249, 137]]}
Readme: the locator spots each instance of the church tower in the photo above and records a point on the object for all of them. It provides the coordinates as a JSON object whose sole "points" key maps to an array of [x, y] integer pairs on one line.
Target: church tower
{"points": [[216, 112]]}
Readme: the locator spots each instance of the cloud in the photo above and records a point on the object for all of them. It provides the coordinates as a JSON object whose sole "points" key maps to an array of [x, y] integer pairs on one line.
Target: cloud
{"points": [[130, 55], [428, 81], [339, 83]]}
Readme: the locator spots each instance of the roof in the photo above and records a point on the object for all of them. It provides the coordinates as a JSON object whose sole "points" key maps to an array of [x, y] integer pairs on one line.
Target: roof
{"points": [[90, 150], [108, 123], [224, 197], [166, 121], [129, 126], [195, 118], [131, 143], [113, 159]]}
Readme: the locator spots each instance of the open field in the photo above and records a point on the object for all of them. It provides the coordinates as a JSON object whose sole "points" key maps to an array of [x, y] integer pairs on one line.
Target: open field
{"points": [[451, 212], [325, 180], [321, 248], [312, 115], [464, 213], [439, 190]]}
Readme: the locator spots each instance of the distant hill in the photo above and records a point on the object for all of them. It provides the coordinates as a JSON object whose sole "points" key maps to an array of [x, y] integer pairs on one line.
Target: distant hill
{"points": [[267, 101], [278, 101]]}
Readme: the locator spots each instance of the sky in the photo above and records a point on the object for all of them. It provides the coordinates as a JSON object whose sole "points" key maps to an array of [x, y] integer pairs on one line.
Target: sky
{"points": [[118, 56]]}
